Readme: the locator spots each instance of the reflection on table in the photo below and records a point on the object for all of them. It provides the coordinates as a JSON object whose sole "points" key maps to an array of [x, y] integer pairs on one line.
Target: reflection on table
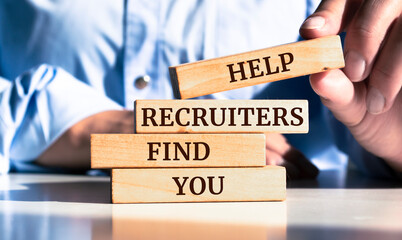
{"points": [[336, 205]]}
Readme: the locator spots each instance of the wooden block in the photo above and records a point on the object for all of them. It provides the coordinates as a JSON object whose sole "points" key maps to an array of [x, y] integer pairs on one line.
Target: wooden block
{"points": [[220, 116], [198, 184], [177, 150], [256, 67]]}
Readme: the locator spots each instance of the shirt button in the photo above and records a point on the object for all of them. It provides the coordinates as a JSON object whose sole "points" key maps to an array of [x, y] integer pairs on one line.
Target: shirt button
{"points": [[142, 82]]}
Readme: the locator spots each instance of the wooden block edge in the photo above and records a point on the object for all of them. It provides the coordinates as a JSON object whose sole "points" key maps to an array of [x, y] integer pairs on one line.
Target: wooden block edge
{"points": [[174, 82], [135, 116], [91, 152], [112, 200]]}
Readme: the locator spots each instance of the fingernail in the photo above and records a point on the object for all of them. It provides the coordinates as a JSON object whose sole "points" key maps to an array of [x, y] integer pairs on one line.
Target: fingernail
{"points": [[354, 66], [375, 101], [315, 22]]}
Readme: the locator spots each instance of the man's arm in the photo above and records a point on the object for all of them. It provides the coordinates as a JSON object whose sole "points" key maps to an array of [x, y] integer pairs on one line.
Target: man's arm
{"points": [[38, 107], [72, 149]]}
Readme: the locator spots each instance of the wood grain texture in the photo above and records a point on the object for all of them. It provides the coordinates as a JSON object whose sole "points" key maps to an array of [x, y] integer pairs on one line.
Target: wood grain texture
{"points": [[221, 116], [228, 184], [162, 150], [276, 63]]}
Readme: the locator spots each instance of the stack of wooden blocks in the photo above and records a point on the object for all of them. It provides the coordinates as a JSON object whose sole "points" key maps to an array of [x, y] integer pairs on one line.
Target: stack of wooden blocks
{"points": [[212, 150]]}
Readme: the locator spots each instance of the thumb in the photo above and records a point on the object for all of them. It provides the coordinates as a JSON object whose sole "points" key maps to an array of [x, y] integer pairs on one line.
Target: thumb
{"points": [[330, 18], [349, 107]]}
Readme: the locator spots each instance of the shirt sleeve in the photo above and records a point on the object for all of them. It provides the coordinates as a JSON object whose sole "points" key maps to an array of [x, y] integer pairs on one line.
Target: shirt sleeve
{"points": [[37, 107]]}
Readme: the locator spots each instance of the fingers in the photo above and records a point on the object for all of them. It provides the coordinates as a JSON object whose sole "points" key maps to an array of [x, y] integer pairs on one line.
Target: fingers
{"points": [[365, 36], [330, 18], [297, 166], [345, 99], [383, 86], [279, 152], [276, 142], [307, 169], [386, 76], [276, 159], [367, 22]]}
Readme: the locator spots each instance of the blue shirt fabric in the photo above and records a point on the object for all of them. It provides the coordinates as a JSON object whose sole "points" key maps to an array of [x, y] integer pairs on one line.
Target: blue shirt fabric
{"points": [[62, 61]]}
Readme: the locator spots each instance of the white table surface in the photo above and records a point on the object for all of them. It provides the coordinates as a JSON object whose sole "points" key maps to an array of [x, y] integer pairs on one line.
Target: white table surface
{"points": [[335, 206]]}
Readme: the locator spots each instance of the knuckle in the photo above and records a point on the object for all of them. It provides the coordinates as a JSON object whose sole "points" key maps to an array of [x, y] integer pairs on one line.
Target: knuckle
{"points": [[381, 73], [367, 32]]}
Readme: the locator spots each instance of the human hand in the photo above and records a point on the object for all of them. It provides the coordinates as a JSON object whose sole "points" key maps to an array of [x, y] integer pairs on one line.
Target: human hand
{"points": [[280, 152], [366, 95], [72, 149]]}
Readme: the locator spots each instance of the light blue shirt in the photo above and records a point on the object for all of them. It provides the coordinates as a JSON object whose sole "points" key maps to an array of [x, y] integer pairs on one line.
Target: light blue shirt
{"points": [[62, 61]]}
